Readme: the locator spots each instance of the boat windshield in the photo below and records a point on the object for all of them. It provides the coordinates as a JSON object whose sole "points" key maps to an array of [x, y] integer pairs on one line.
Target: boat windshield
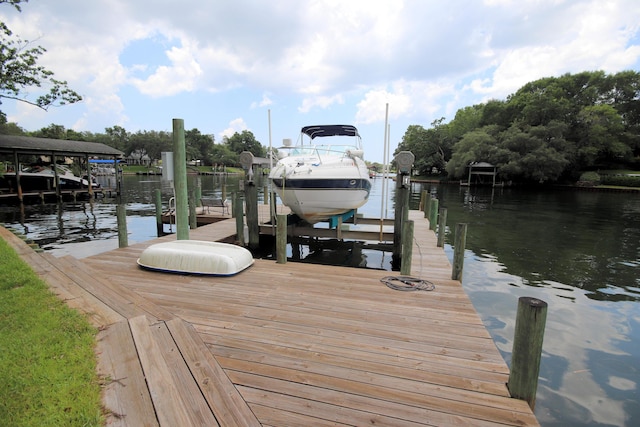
{"points": [[318, 150]]}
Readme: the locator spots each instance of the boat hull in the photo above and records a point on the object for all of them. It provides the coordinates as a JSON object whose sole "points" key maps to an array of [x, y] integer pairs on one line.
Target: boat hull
{"points": [[320, 181], [319, 200]]}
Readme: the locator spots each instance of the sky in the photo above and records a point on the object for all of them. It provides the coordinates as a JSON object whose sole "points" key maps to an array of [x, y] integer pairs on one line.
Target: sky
{"points": [[271, 67]]}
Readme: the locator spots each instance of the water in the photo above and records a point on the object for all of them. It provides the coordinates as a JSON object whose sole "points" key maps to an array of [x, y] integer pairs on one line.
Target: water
{"points": [[578, 251]]}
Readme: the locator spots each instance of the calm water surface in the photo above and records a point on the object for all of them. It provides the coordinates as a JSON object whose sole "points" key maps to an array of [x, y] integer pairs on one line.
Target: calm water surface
{"points": [[578, 251]]}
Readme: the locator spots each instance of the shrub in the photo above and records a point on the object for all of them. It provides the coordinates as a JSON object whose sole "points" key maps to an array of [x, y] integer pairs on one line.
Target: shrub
{"points": [[589, 179], [622, 180]]}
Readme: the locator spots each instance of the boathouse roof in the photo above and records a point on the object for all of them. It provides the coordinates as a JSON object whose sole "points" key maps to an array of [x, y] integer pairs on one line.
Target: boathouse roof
{"points": [[59, 147]]}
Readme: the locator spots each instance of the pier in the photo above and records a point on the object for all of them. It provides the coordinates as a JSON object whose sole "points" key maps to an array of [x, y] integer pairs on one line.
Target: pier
{"points": [[285, 344]]}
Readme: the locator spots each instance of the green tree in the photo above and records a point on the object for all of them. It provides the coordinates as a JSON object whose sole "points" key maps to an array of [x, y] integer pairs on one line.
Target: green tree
{"points": [[117, 137], [9, 128], [52, 131], [198, 146], [19, 71], [599, 134], [151, 143], [479, 145], [431, 147], [245, 141], [222, 155]]}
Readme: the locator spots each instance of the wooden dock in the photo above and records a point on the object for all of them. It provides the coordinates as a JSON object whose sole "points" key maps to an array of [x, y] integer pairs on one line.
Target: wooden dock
{"points": [[291, 344]]}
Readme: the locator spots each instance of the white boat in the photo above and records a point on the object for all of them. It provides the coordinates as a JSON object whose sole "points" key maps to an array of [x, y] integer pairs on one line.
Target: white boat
{"points": [[196, 257], [42, 178], [318, 181]]}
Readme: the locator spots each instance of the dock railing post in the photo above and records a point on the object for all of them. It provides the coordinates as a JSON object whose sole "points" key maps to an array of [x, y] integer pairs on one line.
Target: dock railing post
{"points": [[180, 180], [251, 199], [404, 160], [407, 248], [433, 214], [121, 216], [442, 226], [193, 217], [158, 203], [527, 349], [458, 251], [199, 195], [423, 200], [238, 213], [281, 239]]}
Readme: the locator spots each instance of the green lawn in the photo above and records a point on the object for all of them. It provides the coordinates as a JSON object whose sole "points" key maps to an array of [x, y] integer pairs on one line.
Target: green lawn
{"points": [[47, 361]]}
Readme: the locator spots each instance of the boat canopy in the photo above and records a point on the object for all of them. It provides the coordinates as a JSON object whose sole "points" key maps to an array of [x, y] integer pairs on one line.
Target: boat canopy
{"points": [[330, 130]]}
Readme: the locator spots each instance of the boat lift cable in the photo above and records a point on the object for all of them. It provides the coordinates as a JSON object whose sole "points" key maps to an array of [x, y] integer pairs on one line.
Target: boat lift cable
{"points": [[407, 283]]}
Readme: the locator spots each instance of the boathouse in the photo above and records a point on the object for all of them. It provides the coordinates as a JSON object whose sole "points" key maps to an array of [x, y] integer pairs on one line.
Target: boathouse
{"points": [[14, 148], [481, 173]]}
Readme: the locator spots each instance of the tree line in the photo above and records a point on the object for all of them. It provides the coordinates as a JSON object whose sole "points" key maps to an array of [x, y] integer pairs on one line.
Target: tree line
{"points": [[550, 130], [198, 146]]}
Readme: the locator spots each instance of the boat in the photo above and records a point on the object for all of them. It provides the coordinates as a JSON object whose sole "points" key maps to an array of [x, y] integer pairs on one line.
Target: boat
{"points": [[320, 181], [42, 178], [196, 257]]}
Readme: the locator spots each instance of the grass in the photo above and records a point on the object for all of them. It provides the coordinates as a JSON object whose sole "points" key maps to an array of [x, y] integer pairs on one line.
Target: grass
{"points": [[47, 361]]}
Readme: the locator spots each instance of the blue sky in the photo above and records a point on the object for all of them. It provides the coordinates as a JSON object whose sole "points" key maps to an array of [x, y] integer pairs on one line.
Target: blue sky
{"points": [[222, 65]]}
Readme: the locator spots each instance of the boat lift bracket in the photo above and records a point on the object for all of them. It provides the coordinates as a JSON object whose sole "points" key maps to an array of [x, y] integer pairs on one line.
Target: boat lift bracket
{"points": [[335, 220]]}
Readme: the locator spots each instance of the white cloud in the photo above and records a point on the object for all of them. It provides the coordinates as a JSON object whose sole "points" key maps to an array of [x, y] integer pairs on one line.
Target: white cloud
{"points": [[321, 102], [264, 102], [235, 126], [180, 77]]}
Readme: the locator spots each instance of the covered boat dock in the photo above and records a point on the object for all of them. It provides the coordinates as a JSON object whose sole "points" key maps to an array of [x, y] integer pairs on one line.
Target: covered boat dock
{"points": [[14, 147]]}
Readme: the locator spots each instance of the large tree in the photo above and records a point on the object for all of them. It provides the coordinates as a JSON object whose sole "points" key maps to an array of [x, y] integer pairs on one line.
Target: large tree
{"points": [[198, 146], [19, 71], [245, 141], [553, 129], [431, 147]]}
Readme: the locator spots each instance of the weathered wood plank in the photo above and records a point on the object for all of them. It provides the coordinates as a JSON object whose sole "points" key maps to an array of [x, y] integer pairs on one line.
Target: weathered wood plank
{"points": [[224, 399], [123, 300], [170, 409], [125, 395], [197, 407]]}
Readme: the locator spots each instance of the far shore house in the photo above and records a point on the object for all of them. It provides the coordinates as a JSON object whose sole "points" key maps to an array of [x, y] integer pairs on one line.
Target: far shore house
{"points": [[138, 157]]}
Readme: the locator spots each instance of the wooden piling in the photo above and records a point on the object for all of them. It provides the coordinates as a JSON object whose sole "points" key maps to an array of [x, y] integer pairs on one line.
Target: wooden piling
{"points": [[433, 214], [423, 200], [407, 248], [193, 217], [251, 201], [527, 349], [281, 239], [442, 227], [458, 251], [401, 213], [238, 213], [121, 215], [199, 195], [180, 180], [158, 203]]}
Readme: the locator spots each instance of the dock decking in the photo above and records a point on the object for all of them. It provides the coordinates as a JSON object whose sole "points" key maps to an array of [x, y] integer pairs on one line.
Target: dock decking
{"points": [[285, 344]]}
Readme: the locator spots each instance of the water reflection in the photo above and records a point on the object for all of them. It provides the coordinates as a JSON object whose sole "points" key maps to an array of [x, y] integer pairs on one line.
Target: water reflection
{"points": [[579, 252]]}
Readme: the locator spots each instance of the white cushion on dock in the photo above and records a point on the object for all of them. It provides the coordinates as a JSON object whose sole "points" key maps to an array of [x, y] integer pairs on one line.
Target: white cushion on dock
{"points": [[196, 257]]}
